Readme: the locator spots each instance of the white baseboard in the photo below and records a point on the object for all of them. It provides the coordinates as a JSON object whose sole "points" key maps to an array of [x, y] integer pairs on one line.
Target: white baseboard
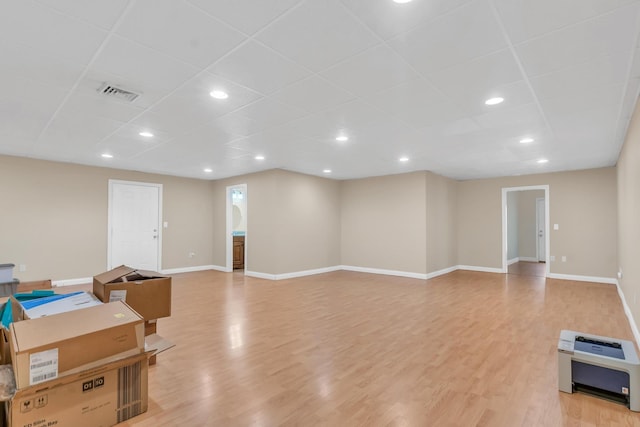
{"points": [[627, 311], [482, 269], [307, 272], [260, 275], [528, 259], [385, 272], [192, 269], [513, 260], [441, 272], [609, 280], [71, 282]]}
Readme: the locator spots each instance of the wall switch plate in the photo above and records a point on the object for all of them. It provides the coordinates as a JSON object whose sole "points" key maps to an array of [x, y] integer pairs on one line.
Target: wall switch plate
{"points": [[22, 268], [553, 257], [165, 224], [564, 258], [556, 226]]}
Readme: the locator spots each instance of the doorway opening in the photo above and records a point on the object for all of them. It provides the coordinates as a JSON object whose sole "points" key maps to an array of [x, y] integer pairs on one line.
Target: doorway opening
{"points": [[525, 229], [237, 203]]}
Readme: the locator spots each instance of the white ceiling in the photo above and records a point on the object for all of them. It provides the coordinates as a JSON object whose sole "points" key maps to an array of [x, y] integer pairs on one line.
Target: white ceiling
{"points": [[398, 79]]}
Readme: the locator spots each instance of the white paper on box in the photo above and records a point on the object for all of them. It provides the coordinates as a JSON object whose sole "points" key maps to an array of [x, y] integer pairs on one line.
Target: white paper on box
{"points": [[75, 302], [43, 366], [119, 295]]}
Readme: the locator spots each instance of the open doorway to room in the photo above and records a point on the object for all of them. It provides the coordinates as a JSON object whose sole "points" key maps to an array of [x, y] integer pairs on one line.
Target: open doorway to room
{"points": [[525, 231], [236, 227]]}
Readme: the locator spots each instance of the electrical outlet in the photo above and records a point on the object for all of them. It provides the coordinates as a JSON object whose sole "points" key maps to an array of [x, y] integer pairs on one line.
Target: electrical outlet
{"points": [[22, 268], [553, 258], [564, 258], [192, 254], [620, 273]]}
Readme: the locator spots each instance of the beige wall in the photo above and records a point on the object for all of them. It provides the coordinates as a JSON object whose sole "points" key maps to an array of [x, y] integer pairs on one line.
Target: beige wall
{"points": [[583, 203], [441, 209], [383, 222], [54, 218], [293, 222], [512, 224], [629, 216], [527, 227]]}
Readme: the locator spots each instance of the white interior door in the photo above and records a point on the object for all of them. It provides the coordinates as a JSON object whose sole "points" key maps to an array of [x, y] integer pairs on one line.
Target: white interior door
{"points": [[134, 225], [541, 229]]}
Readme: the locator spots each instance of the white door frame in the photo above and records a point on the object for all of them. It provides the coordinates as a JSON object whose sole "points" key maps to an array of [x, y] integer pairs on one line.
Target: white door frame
{"points": [[505, 190], [229, 233], [538, 199], [109, 216]]}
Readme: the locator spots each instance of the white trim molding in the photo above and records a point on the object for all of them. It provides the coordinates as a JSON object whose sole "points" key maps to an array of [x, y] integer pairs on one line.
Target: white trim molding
{"points": [[385, 272], [442, 272], [513, 261], [594, 279], [481, 269], [71, 282], [627, 311], [261, 275], [528, 259], [192, 269], [307, 272]]}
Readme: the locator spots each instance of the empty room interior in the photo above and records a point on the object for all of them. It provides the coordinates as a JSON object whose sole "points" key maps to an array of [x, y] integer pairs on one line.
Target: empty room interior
{"points": [[372, 212]]}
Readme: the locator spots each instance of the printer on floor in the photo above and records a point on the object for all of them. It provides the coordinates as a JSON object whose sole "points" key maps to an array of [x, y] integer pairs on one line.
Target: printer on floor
{"points": [[605, 367]]}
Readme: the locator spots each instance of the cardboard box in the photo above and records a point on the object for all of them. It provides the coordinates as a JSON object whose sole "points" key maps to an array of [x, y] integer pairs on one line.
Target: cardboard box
{"points": [[50, 347], [34, 285], [147, 292], [102, 396]]}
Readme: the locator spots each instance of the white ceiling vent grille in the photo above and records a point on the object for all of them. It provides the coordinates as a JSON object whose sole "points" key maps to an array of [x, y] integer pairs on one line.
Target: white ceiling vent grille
{"points": [[118, 93]]}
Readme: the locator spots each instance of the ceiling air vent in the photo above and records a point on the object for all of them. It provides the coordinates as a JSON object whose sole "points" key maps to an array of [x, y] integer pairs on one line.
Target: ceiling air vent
{"points": [[118, 93]]}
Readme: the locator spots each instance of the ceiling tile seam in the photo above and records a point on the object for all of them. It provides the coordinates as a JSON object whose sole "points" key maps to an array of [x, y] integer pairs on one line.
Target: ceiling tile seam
{"points": [[516, 58], [627, 120], [83, 74], [411, 66], [203, 70], [74, 18]]}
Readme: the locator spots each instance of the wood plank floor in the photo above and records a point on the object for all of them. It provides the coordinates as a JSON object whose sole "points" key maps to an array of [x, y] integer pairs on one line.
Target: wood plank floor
{"points": [[353, 349]]}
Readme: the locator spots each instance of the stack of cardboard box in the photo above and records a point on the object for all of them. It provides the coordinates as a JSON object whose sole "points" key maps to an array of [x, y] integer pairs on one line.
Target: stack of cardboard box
{"points": [[86, 364]]}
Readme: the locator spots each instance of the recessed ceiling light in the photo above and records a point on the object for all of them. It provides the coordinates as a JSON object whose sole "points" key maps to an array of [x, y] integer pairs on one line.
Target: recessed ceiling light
{"points": [[107, 156], [342, 138], [494, 101], [526, 140], [327, 171], [219, 94], [146, 134], [259, 157], [543, 160], [208, 170], [403, 159]]}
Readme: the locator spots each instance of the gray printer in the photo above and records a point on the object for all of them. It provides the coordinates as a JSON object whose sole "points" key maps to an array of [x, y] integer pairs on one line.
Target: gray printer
{"points": [[603, 366]]}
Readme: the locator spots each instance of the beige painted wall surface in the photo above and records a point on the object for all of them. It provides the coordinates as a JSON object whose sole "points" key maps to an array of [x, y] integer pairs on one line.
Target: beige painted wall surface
{"points": [[383, 222], [583, 203], [55, 218], [441, 218], [512, 224], [293, 222], [629, 216], [527, 229]]}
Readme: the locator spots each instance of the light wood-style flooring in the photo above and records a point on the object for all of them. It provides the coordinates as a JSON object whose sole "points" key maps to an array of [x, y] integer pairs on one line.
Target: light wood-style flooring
{"points": [[353, 349]]}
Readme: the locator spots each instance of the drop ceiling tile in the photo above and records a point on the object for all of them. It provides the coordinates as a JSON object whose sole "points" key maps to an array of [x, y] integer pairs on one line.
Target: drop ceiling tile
{"points": [[325, 33], [122, 147], [417, 102], [49, 31], [466, 33], [103, 14], [478, 79], [137, 66], [526, 19], [515, 94], [209, 135], [180, 30], [268, 113], [275, 71], [581, 79], [371, 71], [389, 19], [525, 117], [313, 94], [348, 119], [247, 16], [89, 101], [604, 35], [191, 105]]}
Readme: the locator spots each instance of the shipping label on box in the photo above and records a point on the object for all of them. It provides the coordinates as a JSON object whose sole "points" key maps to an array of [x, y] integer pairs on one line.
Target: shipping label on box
{"points": [[103, 396], [58, 345]]}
